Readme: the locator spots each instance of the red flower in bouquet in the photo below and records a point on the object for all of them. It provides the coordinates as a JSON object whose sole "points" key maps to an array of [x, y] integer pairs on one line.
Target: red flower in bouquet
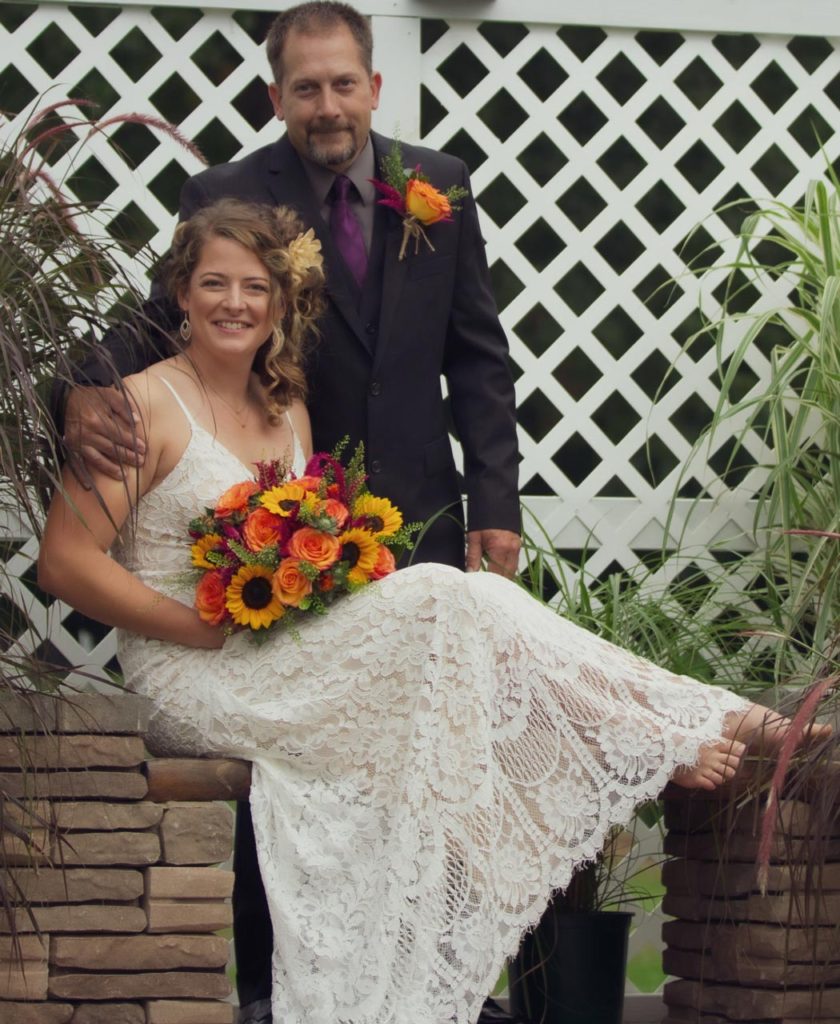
{"points": [[281, 546]]}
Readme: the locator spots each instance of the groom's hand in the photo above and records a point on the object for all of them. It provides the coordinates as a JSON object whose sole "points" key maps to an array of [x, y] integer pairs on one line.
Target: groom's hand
{"points": [[500, 547], [103, 431]]}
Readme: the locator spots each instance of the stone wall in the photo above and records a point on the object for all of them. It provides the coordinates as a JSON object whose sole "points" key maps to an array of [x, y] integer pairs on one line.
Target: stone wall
{"points": [[736, 953], [116, 898]]}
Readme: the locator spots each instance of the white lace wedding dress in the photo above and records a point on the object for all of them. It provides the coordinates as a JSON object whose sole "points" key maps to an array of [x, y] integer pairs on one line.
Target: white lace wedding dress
{"points": [[431, 760]]}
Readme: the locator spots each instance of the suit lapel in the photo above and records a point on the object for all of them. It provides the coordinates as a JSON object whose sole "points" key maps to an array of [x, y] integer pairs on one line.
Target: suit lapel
{"points": [[290, 186], [394, 270]]}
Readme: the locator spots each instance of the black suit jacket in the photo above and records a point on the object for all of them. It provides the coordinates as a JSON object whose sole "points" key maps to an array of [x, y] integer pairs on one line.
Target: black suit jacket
{"points": [[379, 379]]}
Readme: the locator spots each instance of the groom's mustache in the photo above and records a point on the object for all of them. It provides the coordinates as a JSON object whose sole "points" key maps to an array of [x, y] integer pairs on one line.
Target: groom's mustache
{"points": [[329, 129]]}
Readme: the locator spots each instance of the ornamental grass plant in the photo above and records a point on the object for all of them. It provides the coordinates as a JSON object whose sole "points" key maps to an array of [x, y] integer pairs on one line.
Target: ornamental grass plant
{"points": [[758, 612], [785, 431], [63, 280], [755, 611], [791, 255]]}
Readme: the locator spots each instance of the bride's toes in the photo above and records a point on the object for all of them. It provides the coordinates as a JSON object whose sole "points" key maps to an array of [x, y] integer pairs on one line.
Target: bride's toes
{"points": [[715, 765], [736, 748]]}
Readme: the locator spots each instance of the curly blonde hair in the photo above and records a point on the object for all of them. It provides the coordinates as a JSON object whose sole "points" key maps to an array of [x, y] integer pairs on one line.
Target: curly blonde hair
{"points": [[276, 237]]}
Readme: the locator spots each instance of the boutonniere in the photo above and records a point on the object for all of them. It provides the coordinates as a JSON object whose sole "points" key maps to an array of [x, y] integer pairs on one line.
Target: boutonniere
{"points": [[415, 199]]}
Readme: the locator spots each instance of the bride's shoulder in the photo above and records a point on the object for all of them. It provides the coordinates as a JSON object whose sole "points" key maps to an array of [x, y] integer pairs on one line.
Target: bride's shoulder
{"points": [[155, 388], [158, 395]]}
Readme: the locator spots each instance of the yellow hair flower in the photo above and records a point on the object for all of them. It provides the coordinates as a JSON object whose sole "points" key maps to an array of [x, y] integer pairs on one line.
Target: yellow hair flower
{"points": [[304, 254], [201, 547], [380, 517], [285, 499], [360, 549], [250, 598]]}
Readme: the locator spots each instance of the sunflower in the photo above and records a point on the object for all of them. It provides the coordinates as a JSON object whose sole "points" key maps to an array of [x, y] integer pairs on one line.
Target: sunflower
{"points": [[250, 599], [285, 499], [379, 515], [360, 550], [200, 549]]}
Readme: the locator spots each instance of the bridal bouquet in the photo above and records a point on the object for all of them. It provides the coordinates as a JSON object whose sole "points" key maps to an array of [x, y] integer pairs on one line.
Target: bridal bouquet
{"points": [[280, 546]]}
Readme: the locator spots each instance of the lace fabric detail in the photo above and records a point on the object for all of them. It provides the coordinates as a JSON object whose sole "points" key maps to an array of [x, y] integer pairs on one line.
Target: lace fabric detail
{"points": [[432, 759]]}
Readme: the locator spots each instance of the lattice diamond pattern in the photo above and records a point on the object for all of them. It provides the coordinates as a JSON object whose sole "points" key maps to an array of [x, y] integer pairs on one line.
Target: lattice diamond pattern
{"points": [[631, 140]]}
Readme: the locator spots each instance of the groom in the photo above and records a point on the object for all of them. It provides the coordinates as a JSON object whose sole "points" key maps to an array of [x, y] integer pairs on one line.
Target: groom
{"points": [[392, 328]]}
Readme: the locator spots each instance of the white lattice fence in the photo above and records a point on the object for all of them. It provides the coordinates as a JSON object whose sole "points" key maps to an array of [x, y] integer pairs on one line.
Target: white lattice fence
{"points": [[594, 152]]}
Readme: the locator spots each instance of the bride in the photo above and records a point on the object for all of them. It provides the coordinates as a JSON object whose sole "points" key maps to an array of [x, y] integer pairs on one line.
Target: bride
{"points": [[434, 757]]}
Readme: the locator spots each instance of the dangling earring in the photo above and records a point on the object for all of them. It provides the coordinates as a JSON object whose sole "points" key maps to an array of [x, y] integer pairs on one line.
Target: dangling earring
{"points": [[277, 339], [185, 330]]}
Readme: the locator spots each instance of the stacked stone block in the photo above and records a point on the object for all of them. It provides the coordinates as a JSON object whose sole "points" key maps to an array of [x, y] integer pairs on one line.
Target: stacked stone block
{"points": [[737, 954], [116, 897]]}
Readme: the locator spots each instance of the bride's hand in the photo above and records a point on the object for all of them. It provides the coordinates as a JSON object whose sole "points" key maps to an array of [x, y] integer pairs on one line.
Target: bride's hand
{"points": [[205, 635]]}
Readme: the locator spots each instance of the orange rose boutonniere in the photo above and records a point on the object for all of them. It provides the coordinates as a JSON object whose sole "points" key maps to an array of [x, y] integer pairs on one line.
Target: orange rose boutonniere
{"points": [[415, 199]]}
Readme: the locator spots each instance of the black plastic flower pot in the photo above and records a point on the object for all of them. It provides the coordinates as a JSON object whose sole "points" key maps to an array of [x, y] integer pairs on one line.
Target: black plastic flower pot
{"points": [[571, 969]]}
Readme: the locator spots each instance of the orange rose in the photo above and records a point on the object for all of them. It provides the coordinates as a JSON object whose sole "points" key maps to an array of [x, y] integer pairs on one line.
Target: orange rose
{"points": [[289, 584], [235, 499], [337, 510], [319, 549], [385, 563], [425, 202], [310, 483], [210, 598], [261, 528]]}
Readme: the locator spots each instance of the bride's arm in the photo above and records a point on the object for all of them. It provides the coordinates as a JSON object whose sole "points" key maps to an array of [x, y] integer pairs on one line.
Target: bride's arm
{"points": [[75, 566]]}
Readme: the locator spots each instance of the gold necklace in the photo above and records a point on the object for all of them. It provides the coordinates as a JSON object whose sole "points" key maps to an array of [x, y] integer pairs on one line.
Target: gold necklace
{"points": [[237, 413]]}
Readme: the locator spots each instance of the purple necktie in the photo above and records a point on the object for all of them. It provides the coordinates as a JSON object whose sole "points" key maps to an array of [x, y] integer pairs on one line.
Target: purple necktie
{"points": [[346, 229]]}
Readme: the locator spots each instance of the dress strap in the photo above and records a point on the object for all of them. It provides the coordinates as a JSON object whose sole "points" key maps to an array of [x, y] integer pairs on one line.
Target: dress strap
{"points": [[298, 461], [178, 399]]}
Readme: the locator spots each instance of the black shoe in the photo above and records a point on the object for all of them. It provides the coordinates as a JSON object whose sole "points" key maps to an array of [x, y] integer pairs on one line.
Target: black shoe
{"points": [[492, 1013], [255, 1013]]}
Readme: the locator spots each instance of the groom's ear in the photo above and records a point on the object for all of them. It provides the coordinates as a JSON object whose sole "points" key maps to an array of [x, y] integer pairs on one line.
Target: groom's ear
{"points": [[276, 97]]}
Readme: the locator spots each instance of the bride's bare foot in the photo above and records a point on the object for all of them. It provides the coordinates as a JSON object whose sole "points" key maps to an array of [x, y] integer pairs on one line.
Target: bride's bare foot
{"points": [[715, 765], [763, 729]]}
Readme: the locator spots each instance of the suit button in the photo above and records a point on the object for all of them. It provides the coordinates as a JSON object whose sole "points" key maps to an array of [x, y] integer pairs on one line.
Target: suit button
{"points": [[370, 328], [375, 388], [376, 466]]}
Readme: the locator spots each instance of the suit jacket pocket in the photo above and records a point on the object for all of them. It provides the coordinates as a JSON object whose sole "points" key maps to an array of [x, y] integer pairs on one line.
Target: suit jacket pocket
{"points": [[437, 457], [418, 268]]}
